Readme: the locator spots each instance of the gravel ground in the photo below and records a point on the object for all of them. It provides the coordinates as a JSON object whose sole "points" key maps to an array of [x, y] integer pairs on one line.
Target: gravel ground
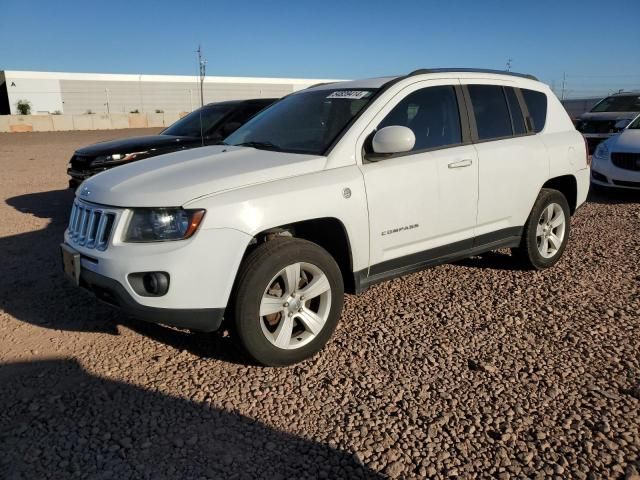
{"points": [[467, 370]]}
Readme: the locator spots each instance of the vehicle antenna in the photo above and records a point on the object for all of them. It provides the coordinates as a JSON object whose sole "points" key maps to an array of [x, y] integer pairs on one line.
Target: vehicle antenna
{"points": [[509, 60], [202, 66]]}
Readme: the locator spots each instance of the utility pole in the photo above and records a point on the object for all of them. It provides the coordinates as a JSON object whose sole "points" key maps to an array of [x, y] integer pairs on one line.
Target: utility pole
{"points": [[202, 65], [509, 60], [564, 81], [106, 92]]}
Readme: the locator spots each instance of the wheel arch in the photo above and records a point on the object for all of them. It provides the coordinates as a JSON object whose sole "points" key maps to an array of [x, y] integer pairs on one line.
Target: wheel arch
{"points": [[329, 233], [568, 186]]}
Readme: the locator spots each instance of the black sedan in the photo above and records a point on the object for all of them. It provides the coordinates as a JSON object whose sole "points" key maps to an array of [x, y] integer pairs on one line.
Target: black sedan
{"points": [[205, 126]]}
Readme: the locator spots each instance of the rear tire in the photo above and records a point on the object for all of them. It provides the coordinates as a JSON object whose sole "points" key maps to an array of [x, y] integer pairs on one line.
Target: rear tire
{"points": [[288, 301], [546, 232]]}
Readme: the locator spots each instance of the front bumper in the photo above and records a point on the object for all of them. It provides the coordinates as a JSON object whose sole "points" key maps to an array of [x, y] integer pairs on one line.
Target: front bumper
{"points": [[110, 291], [202, 270], [76, 177], [606, 174]]}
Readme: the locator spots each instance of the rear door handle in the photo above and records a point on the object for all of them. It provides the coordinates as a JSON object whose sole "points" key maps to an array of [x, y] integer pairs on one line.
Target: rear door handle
{"points": [[461, 163]]}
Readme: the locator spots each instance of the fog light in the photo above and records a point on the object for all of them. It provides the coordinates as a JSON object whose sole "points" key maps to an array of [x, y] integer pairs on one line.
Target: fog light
{"points": [[598, 176], [150, 284]]}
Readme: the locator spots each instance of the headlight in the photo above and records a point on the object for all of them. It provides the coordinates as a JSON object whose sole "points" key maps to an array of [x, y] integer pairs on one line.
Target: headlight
{"points": [[162, 224], [118, 157], [602, 151]]}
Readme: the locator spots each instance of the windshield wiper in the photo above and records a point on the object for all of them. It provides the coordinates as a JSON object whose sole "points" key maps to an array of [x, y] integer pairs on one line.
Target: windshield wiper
{"points": [[259, 145]]}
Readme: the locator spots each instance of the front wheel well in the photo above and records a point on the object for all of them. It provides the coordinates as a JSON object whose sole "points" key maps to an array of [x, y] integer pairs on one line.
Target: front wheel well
{"points": [[328, 232], [568, 186]]}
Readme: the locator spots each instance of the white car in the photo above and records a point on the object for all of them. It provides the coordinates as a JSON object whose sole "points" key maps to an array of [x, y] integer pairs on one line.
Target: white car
{"points": [[616, 161], [332, 189]]}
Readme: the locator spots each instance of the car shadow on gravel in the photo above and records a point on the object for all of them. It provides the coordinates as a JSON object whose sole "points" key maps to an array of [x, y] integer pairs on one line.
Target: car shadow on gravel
{"points": [[32, 286], [34, 290], [612, 196], [59, 421], [217, 345], [494, 260]]}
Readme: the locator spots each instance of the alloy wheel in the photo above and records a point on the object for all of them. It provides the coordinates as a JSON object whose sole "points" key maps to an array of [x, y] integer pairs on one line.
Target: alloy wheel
{"points": [[295, 305], [551, 229]]}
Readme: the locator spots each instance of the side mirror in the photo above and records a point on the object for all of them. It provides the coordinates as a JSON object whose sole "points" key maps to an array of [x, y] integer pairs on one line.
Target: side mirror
{"points": [[393, 139]]}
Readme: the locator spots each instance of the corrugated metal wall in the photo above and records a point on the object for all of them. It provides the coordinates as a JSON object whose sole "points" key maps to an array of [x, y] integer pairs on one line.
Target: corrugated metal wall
{"points": [[79, 96]]}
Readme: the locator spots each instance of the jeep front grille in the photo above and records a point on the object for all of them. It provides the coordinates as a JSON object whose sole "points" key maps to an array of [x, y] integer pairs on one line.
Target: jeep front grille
{"points": [[91, 225]]}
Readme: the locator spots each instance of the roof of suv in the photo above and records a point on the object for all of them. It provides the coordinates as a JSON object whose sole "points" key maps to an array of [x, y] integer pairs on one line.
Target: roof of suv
{"points": [[625, 93], [379, 82]]}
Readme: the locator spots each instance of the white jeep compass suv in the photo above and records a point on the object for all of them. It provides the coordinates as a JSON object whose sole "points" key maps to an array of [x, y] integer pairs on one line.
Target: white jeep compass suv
{"points": [[331, 189]]}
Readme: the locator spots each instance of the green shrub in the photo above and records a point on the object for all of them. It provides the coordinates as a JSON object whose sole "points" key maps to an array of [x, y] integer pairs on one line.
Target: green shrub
{"points": [[24, 107]]}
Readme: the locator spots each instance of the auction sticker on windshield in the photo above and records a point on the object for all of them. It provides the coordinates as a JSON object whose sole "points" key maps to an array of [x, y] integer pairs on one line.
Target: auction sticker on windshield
{"points": [[349, 94]]}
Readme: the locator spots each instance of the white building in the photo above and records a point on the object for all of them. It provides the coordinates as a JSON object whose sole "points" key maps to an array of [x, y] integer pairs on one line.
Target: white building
{"points": [[75, 93]]}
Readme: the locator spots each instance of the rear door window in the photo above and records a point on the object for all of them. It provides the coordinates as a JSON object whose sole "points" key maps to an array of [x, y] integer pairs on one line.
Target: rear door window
{"points": [[490, 111], [537, 106]]}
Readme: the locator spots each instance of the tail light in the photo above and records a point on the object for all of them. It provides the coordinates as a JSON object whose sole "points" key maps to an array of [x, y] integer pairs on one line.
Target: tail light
{"points": [[586, 152]]}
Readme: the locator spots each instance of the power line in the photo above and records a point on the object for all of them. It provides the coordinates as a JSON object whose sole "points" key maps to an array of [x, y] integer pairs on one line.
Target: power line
{"points": [[604, 76]]}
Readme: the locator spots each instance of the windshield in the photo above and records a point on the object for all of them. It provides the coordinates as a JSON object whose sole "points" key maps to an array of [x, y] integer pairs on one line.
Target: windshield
{"points": [[189, 126], [635, 125], [305, 122], [619, 103]]}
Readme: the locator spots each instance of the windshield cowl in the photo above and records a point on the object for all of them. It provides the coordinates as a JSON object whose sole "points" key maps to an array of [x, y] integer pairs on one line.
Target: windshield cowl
{"points": [[259, 145]]}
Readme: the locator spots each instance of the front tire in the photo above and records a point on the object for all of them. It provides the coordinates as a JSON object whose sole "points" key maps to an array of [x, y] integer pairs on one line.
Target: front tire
{"points": [[546, 232], [288, 301]]}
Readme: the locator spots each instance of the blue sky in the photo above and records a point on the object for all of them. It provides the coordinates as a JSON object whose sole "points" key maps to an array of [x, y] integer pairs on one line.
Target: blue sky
{"points": [[597, 44]]}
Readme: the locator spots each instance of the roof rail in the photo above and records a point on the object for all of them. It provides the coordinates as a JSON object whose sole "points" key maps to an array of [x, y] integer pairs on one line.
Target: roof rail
{"points": [[319, 84], [423, 71]]}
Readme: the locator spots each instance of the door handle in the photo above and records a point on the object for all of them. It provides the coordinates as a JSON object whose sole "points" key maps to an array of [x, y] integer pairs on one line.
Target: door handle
{"points": [[461, 163]]}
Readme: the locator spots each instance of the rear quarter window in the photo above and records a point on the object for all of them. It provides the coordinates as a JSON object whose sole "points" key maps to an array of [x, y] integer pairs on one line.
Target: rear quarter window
{"points": [[537, 106], [517, 119]]}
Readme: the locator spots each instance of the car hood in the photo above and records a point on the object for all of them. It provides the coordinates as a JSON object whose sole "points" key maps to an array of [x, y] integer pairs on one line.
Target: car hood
{"points": [[174, 179], [627, 141], [136, 144], [603, 116]]}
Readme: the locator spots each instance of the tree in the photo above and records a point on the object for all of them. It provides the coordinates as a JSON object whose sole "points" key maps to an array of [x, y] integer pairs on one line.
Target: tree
{"points": [[24, 107]]}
